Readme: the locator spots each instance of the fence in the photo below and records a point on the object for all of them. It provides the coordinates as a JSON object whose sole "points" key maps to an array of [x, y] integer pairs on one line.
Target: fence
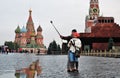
{"points": [[105, 53]]}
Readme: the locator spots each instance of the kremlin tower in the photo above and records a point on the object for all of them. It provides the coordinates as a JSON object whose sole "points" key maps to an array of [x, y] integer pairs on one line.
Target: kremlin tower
{"points": [[27, 38], [93, 15]]}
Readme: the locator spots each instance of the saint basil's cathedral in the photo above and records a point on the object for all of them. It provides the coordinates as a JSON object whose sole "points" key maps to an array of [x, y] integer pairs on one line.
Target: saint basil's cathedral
{"points": [[28, 39]]}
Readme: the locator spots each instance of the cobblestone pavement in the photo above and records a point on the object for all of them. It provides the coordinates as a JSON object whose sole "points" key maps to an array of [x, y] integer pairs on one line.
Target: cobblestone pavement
{"points": [[54, 66]]}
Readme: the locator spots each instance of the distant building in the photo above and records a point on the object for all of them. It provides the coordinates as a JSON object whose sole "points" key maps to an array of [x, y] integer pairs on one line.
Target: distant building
{"points": [[101, 33], [99, 29], [28, 39]]}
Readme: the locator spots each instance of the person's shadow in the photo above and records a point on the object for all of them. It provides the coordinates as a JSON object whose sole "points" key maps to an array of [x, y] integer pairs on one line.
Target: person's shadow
{"points": [[74, 74]]}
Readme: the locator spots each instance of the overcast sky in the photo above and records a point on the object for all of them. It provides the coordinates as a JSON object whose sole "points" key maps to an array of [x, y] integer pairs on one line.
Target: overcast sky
{"points": [[66, 15]]}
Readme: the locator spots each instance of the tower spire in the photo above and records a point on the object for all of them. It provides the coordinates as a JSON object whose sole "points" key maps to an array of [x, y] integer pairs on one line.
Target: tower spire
{"points": [[30, 17], [30, 12], [30, 25]]}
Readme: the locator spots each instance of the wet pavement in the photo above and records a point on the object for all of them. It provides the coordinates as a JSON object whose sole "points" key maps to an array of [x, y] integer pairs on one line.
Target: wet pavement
{"points": [[54, 66]]}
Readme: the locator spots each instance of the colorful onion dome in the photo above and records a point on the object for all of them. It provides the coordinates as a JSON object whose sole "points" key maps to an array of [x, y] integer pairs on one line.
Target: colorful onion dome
{"points": [[17, 30], [23, 30], [39, 29]]}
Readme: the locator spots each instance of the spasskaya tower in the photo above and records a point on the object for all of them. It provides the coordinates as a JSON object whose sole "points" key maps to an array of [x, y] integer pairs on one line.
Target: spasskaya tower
{"points": [[93, 15]]}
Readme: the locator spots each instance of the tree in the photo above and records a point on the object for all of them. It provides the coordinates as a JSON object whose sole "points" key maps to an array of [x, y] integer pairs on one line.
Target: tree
{"points": [[49, 49], [16, 46], [59, 49], [54, 48], [11, 45]]}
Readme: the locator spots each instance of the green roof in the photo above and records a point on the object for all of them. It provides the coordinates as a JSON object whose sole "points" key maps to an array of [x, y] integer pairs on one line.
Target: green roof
{"points": [[17, 30]]}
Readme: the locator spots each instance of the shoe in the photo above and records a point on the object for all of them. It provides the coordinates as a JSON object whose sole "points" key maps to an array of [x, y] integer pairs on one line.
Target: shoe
{"points": [[76, 70], [68, 70]]}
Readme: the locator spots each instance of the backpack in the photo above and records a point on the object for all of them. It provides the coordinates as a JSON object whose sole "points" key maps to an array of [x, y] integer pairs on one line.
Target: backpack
{"points": [[77, 53]]}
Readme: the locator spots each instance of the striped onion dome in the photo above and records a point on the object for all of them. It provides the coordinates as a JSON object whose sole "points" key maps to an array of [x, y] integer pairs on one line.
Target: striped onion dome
{"points": [[39, 29], [23, 30]]}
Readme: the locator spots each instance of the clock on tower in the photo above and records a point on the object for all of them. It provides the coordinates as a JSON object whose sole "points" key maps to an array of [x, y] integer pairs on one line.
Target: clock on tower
{"points": [[95, 10]]}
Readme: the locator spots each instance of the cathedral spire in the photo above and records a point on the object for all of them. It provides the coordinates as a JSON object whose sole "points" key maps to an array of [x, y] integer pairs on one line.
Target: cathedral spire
{"points": [[30, 17], [30, 11], [30, 24]]}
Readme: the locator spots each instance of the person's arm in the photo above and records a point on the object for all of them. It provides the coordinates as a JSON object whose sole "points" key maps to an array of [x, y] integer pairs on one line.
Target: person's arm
{"points": [[65, 37]]}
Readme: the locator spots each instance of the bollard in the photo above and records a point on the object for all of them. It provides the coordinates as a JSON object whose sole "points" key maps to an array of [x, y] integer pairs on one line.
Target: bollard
{"points": [[115, 54], [88, 53], [105, 53], [94, 53], [91, 52], [97, 53], [110, 53], [100, 53]]}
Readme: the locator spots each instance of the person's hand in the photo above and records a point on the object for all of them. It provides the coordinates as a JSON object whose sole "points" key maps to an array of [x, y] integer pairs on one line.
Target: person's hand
{"points": [[71, 43], [61, 36]]}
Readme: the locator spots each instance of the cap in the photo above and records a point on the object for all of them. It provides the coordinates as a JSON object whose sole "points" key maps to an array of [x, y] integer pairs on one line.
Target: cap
{"points": [[74, 30]]}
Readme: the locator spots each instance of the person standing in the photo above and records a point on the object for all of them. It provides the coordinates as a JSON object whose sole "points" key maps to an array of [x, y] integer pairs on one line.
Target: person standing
{"points": [[74, 44], [70, 63]]}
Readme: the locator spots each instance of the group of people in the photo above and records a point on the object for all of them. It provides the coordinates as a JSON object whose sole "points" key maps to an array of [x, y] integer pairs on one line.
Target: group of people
{"points": [[74, 44], [4, 49]]}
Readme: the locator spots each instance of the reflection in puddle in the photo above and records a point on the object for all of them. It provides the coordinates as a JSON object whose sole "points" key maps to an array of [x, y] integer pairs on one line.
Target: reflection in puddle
{"points": [[33, 70]]}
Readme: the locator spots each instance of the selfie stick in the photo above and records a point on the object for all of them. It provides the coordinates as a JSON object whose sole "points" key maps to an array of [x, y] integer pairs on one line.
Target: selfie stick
{"points": [[55, 27]]}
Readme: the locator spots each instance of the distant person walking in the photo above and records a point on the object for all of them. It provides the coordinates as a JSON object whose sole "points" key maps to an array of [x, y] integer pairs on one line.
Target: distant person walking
{"points": [[38, 52], [3, 49]]}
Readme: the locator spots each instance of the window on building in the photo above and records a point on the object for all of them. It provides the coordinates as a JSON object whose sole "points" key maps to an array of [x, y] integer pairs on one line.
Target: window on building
{"points": [[99, 21], [102, 21], [105, 21], [108, 21], [112, 21]]}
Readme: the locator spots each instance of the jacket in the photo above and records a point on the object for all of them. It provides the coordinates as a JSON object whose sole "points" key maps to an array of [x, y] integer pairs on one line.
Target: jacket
{"points": [[74, 44]]}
